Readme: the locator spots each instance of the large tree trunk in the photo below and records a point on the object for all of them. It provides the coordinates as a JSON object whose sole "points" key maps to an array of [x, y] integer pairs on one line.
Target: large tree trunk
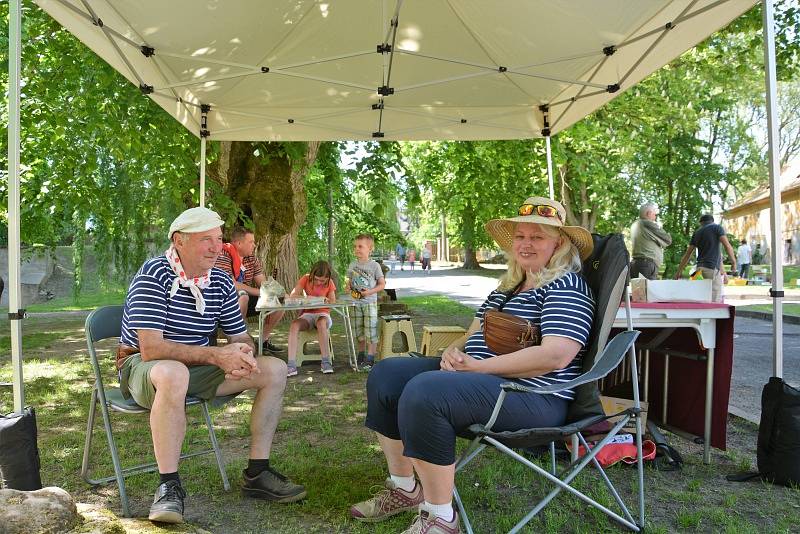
{"points": [[468, 237], [268, 186], [577, 204]]}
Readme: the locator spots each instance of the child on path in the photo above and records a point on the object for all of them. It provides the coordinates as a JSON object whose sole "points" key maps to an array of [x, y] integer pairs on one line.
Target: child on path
{"points": [[364, 282], [411, 256], [317, 283], [426, 258]]}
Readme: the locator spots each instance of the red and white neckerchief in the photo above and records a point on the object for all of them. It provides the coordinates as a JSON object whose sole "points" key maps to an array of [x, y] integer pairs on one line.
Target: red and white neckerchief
{"points": [[194, 284]]}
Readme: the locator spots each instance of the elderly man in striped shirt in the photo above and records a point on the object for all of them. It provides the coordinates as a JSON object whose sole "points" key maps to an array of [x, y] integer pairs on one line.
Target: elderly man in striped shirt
{"points": [[174, 303]]}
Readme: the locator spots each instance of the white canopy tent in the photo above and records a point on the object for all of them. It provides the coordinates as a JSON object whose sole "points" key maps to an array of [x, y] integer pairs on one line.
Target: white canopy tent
{"points": [[379, 70], [304, 70]]}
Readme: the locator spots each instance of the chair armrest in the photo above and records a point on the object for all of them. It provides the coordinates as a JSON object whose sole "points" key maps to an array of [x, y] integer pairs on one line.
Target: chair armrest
{"points": [[517, 388], [605, 362]]}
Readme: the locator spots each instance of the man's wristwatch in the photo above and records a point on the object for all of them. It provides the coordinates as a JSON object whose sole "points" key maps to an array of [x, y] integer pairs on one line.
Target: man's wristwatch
{"points": [[242, 292]]}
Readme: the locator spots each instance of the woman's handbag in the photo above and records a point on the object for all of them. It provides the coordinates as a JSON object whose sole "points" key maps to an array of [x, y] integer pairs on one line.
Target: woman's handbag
{"points": [[506, 333]]}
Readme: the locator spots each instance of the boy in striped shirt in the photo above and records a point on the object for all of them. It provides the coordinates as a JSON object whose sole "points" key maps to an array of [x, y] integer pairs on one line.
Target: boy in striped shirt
{"points": [[238, 260]]}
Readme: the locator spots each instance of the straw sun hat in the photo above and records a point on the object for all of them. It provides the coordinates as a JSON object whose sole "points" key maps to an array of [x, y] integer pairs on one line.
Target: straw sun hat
{"points": [[502, 230]]}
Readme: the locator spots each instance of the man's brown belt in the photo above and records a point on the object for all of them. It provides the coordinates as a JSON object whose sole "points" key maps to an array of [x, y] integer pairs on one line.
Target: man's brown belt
{"points": [[123, 351]]}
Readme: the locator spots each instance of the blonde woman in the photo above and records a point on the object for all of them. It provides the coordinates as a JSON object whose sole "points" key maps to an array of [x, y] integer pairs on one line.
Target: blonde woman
{"points": [[417, 406]]}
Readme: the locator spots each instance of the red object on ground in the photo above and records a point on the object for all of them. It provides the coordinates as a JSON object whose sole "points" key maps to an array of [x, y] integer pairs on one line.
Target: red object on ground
{"points": [[613, 453]]}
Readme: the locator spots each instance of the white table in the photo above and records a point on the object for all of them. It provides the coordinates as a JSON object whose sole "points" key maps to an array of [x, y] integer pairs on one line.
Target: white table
{"points": [[341, 307], [667, 318]]}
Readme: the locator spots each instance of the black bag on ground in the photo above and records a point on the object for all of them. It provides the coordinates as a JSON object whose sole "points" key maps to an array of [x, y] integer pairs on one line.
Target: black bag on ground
{"points": [[19, 452], [778, 452]]}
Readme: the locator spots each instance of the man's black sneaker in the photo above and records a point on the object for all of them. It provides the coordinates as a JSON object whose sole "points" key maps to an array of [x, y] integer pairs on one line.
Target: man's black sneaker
{"points": [[268, 346], [272, 486], [168, 503]]}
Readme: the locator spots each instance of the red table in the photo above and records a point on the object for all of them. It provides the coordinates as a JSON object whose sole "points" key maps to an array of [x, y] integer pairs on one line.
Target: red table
{"points": [[686, 378]]}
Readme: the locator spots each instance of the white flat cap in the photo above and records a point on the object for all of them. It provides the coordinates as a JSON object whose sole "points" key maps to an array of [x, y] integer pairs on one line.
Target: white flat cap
{"points": [[195, 220]]}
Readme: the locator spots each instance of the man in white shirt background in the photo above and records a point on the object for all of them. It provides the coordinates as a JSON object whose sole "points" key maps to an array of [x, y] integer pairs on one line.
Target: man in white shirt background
{"points": [[744, 258]]}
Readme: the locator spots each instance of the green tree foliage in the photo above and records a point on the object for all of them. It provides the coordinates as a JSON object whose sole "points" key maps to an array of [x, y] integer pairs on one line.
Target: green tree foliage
{"points": [[106, 169], [787, 39], [472, 182], [361, 195], [101, 164], [689, 133]]}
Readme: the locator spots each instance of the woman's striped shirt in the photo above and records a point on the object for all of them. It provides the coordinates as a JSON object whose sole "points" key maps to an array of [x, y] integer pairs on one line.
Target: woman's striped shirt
{"points": [[564, 307], [148, 306]]}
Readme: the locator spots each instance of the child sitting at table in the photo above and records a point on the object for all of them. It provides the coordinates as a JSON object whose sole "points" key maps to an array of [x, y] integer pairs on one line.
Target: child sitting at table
{"points": [[317, 283]]}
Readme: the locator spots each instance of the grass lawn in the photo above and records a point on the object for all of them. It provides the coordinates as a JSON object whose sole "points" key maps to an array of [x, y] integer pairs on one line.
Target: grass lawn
{"points": [[84, 301], [321, 442], [788, 308]]}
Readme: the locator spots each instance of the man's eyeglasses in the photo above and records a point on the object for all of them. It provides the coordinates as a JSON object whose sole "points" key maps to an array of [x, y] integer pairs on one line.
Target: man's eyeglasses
{"points": [[542, 210]]}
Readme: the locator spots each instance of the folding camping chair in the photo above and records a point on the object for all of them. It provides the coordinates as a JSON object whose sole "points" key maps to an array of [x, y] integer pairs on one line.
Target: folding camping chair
{"points": [[607, 274], [104, 323]]}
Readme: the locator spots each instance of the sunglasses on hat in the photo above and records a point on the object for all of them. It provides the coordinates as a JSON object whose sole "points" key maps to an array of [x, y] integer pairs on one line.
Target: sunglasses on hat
{"points": [[542, 210]]}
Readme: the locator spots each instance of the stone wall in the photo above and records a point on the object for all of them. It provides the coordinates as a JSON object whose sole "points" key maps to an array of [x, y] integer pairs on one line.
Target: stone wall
{"points": [[36, 269]]}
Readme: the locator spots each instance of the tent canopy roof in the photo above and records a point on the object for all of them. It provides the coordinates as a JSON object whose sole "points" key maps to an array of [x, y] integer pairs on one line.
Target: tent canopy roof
{"points": [[394, 70]]}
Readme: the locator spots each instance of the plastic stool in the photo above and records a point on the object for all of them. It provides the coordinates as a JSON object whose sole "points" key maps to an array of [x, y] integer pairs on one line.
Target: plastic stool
{"points": [[438, 337], [306, 337], [396, 324]]}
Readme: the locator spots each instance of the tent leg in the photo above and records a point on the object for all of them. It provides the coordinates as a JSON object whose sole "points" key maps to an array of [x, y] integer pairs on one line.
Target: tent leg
{"points": [[15, 314], [776, 292], [204, 109], [202, 171], [549, 167]]}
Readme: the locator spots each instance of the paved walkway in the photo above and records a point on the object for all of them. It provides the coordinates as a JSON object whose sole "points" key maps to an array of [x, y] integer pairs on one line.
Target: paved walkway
{"points": [[752, 364]]}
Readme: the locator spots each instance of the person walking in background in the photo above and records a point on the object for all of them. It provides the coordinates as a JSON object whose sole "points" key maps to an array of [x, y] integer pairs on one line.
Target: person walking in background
{"points": [[744, 257], [400, 250], [758, 256], [411, 256], [648, 240], [707, 240], [426, 258]]}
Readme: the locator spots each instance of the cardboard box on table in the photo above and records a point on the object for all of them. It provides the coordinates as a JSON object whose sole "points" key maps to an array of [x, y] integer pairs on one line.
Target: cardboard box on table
{"points": [[644, 290]]}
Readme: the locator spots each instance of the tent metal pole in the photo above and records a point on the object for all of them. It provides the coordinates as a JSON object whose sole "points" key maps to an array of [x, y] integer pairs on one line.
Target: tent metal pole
{"points": [[204, 109], [202, 171], [776, 292], [549, 168], [545, 109], [15, 314]]}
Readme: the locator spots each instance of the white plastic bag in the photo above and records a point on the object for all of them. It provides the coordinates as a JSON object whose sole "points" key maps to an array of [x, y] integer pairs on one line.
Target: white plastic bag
{"points": [[270, 291]]}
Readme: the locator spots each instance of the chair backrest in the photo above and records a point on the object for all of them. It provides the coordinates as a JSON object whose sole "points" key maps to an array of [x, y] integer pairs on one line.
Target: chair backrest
{"points": [[606, 272], [104, 323]]}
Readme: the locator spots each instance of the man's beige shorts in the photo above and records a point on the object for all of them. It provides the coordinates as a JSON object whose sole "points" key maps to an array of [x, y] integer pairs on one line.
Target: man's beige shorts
{"points": [[716, 282], [135, 380]]}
